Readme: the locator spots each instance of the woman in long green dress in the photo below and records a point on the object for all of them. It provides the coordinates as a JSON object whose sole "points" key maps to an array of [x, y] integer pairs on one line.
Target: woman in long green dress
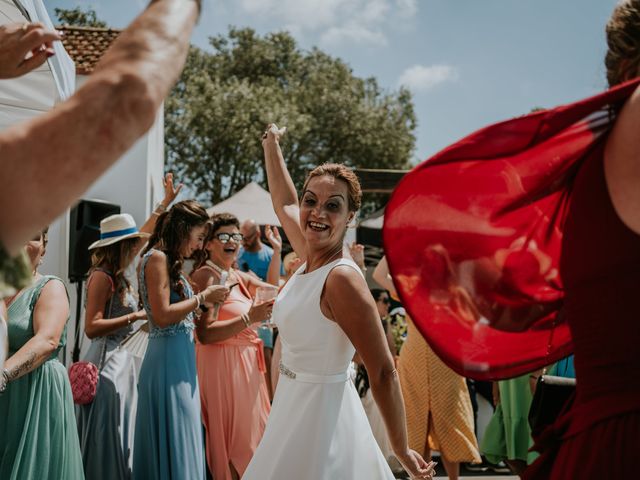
{"points": [[508, 436], [39, 437]]}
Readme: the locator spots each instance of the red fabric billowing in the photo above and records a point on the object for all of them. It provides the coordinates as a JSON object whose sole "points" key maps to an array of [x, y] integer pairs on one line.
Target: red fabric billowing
{"points": [[473, 237]]}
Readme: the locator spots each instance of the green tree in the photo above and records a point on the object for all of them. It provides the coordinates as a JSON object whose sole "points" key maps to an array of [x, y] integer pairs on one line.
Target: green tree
{"points": [[79, 17], [216, 113]]}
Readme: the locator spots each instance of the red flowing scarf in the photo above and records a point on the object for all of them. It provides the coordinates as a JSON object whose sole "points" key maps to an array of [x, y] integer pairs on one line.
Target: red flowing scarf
{"points": [[473, 237]]}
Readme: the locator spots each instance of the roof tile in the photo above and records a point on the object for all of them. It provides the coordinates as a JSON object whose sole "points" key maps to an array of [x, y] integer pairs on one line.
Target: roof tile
{"points": [[86, 45]]}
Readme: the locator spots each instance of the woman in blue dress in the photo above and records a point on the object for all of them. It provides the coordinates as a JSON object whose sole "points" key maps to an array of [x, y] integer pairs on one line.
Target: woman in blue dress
{"points": [[106, 426], [169, 443]]}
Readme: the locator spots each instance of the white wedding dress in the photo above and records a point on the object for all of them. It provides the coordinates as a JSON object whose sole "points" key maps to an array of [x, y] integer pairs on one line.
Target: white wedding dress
{"points": [[317, 429]]}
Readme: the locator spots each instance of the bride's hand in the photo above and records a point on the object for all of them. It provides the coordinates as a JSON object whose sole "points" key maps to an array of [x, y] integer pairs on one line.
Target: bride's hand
{"points": [[272, 135], [415, 465]]}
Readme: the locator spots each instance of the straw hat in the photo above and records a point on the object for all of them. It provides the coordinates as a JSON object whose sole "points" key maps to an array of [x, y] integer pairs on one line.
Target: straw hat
{"points": [[116, 228]]}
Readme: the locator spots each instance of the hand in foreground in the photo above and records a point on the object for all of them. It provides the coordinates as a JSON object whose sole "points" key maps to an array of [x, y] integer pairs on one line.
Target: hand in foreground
{"points": [[273, 237], [170, 191], [415, 465], [24, 47], [215, 293], [261, 312]]}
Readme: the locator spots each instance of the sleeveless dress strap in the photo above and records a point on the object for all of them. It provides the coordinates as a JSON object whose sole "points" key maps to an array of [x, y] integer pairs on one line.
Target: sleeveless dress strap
{"points": [[37, 290], [107, 273]]}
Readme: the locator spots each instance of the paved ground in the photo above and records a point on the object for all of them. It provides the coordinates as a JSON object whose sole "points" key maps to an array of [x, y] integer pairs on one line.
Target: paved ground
{"points": [[466, 475]]}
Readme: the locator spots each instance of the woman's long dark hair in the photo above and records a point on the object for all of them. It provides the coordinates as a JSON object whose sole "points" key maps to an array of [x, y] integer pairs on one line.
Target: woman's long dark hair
{"points": [[171, 231]]}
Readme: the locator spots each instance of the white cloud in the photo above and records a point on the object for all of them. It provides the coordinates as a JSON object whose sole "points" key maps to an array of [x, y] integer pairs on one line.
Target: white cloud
{"points": [[355, 33], [420, 78], [334, 21]]}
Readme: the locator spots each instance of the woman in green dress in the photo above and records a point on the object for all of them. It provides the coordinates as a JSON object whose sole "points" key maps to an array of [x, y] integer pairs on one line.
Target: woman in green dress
{"points": [[39, 435], [508, 436]]}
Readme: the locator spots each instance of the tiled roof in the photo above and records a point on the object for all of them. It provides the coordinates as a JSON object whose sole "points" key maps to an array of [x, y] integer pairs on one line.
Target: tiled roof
{"points": [[86, 45]]}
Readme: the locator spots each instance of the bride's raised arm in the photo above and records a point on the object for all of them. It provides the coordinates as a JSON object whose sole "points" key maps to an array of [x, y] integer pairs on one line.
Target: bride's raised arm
{"points": [[283, 191]]}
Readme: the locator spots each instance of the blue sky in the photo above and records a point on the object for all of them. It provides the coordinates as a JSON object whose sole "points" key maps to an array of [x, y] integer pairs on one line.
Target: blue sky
{"points": [[469, 63]]}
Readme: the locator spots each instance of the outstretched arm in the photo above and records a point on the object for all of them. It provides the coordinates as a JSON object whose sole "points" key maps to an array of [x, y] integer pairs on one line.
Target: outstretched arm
{"points": [[283, 192], [352, 307], [382, 276], [59, 154]]}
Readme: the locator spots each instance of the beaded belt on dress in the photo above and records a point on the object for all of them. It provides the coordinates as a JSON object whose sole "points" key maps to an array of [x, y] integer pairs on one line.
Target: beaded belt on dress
{"points": [[313, 378]]}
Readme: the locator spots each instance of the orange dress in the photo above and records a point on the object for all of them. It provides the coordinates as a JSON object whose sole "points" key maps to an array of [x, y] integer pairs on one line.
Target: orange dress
{"points": [[233, 392], [437, 402]]}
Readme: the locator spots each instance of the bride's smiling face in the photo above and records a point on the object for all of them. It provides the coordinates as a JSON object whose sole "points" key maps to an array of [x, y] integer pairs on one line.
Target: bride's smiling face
{"points": [[324, 211]]}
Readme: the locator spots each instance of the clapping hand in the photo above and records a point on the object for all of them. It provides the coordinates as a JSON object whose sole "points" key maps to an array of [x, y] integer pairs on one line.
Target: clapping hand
{"points": [[24, 47]]}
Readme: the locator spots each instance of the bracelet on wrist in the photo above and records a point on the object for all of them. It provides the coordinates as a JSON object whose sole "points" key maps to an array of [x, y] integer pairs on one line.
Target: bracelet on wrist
{"points": [[159, 209], [246, 319], [198, 302], [4, 380]]}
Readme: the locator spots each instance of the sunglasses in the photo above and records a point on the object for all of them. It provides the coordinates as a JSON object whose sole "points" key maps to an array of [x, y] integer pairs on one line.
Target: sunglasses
{"points": [[225, 237], [385, 300]]}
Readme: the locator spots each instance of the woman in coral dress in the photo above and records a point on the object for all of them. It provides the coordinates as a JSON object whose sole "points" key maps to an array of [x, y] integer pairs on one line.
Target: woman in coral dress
{"points": [[230, 356]]}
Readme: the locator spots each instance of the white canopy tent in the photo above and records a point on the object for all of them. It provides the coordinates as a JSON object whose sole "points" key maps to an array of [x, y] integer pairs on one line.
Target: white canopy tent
{"points": [[252, 202]]}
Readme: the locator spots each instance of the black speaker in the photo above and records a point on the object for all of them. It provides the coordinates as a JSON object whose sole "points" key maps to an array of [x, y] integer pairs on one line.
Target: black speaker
{"points": [[84, 229]]}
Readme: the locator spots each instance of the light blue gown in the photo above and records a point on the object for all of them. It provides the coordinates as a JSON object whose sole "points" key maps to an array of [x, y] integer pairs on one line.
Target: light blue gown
{"points": [[106, 425], [168, 441]]}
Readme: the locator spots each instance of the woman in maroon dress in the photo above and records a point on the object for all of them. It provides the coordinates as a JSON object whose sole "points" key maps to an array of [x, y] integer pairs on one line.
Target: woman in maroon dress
{"points": [[540, 217], [600, 268]]}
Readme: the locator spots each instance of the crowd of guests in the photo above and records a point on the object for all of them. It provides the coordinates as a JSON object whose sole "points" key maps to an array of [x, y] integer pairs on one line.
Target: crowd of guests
{"points": [[201, 396], [161, 405]]}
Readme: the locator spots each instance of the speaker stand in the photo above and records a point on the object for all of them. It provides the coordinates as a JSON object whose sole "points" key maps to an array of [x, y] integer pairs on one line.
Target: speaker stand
{"points": [[75, 356]]}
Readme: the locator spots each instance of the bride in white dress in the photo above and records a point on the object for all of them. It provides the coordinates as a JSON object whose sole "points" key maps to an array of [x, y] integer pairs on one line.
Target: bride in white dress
{"points": [[317, 429]]}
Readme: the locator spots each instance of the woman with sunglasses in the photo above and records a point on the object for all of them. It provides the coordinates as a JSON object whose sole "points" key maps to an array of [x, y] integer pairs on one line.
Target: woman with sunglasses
{"points": [[229, 354]]}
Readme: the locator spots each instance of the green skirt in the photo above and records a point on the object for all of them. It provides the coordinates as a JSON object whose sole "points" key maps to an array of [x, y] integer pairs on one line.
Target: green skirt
{"points": [[39, 438], [508, 436]]}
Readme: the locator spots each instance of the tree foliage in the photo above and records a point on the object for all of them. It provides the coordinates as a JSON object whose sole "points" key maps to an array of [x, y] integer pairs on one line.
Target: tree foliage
{"points": [[218, 110], [79, 17]]}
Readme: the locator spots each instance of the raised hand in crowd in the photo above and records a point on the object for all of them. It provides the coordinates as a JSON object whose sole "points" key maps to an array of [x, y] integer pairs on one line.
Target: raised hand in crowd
{"points": [[273, 237], [24, 47], [171, 191], [357, 253], [275, 265]]}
